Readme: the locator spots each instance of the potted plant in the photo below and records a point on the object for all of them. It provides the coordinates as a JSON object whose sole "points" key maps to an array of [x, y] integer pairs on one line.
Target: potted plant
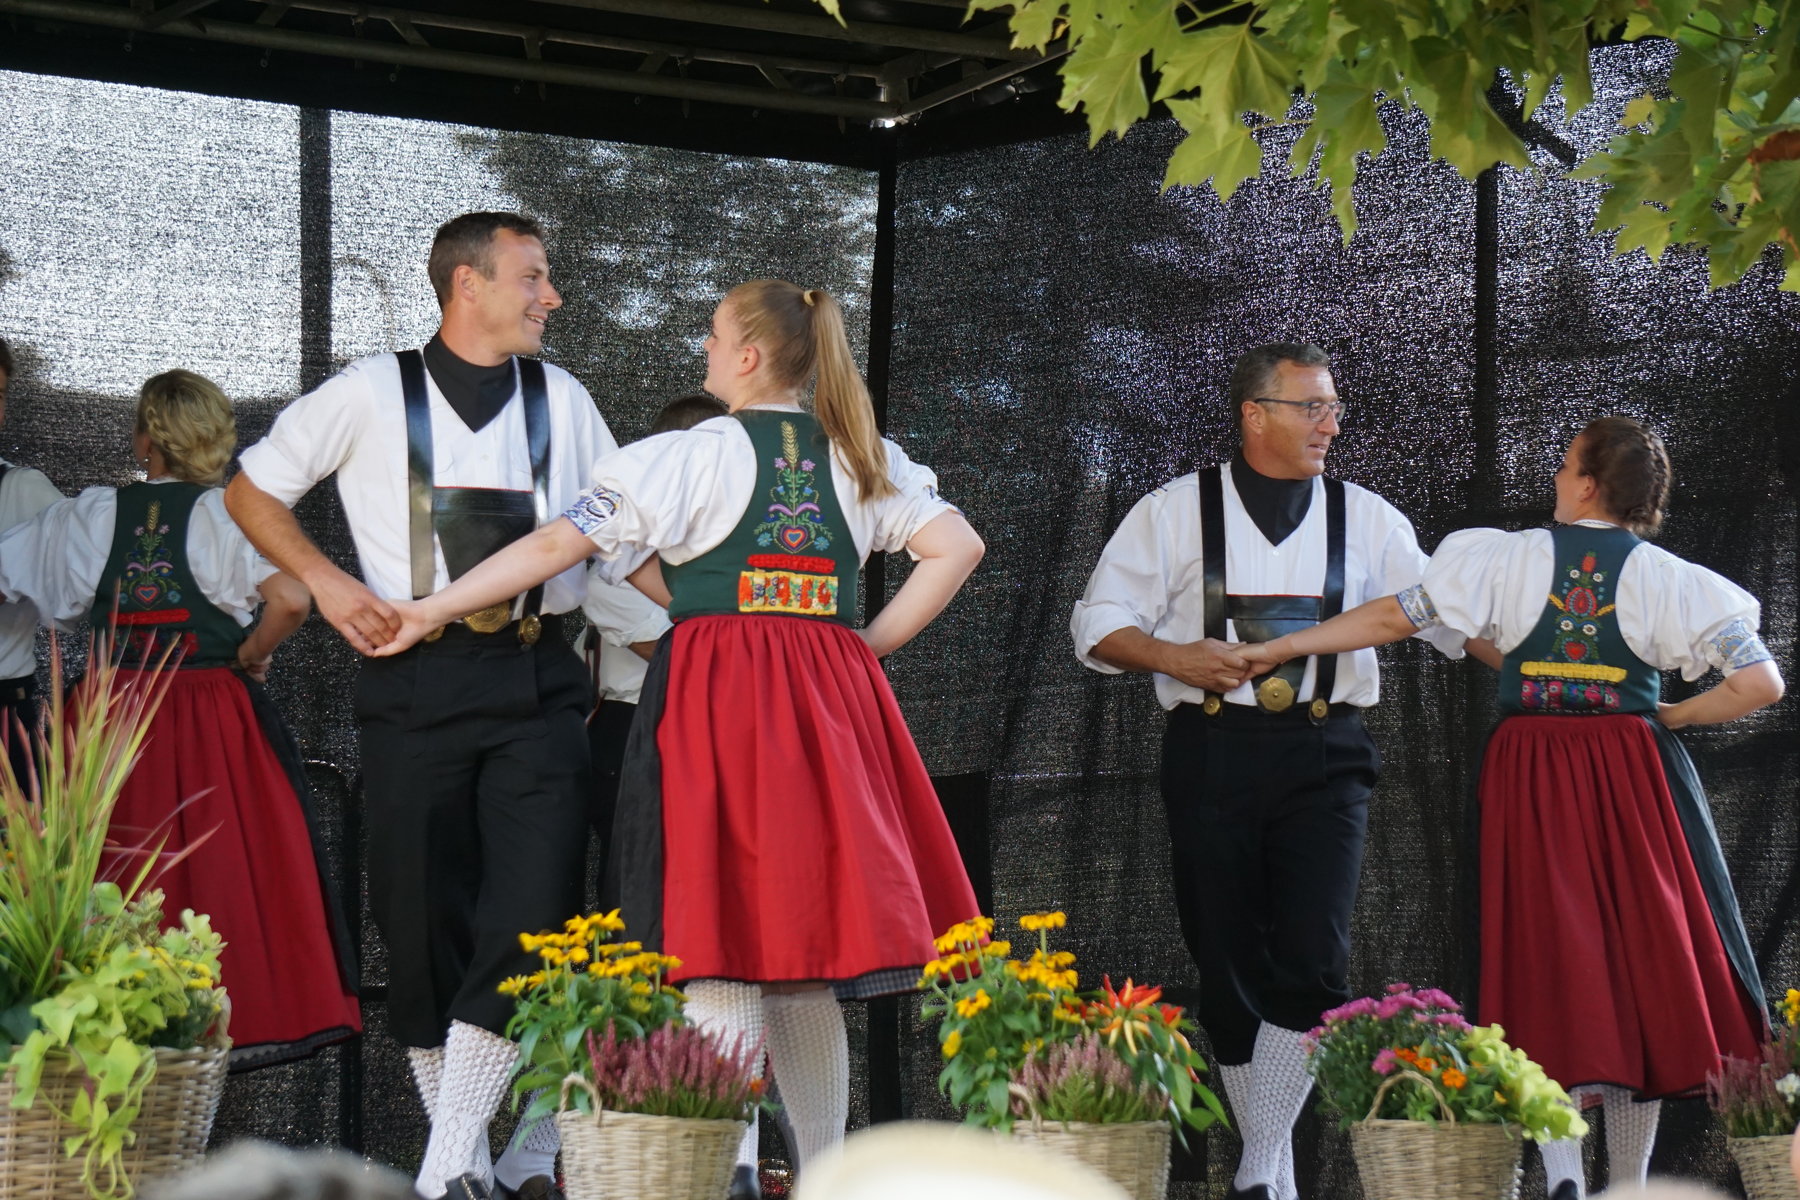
{"points": [[1432, 1102], [648, 1106], [1105, 1075], [112, 1025], [1759, 1103]]}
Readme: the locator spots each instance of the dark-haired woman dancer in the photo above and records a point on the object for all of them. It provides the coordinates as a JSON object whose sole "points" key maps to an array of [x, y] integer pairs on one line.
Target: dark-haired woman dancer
{"points": [[1612, 948]]}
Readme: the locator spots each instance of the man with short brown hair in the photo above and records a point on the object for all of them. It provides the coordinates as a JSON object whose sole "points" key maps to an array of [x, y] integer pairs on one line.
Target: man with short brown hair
{"points": [[474, 754]]}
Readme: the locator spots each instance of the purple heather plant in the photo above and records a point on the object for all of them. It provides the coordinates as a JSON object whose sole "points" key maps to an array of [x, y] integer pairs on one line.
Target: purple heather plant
{"points": [[677, 1071], [1083, 1080], [1760, 1097]]}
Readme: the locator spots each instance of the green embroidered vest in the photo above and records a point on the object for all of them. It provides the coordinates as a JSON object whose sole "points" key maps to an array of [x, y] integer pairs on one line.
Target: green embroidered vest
{"points": [[1575, 661], [791, 553], [159, 603]]}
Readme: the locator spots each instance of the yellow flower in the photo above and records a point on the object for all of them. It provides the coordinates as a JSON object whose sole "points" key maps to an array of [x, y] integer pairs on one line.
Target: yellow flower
{"points": [[953, 1043], [578, 955], [596, 969], [968, 1006], [553, 956], [513, 986], [607, 921], [1034, 922], [529, 942], [535, 979], [577, 926], [1790, 1007], [997, 949]]}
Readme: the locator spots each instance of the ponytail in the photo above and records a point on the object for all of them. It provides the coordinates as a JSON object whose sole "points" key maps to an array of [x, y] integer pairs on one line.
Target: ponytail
{"points": [[802, 332]]}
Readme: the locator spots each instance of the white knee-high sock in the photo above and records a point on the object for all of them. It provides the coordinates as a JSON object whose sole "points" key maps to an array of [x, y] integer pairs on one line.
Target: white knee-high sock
{"points": [[477, 1066], [733, 1011], [428, 1075], [1630, 1135], [1238, 1080], [1562, 1160], [810, 1056], [1279, 1087], [531, 1152]]}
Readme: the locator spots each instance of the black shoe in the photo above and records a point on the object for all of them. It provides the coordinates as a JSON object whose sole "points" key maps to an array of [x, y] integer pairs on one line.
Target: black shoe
{"points": [[1256, 1191], [538, 1187], [468, 1187], [1568, 1189], [744, 1184]]}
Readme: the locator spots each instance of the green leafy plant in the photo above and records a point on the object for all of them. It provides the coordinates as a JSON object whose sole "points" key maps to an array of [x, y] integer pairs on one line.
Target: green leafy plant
{"points": [[1441, 1062], [585, 983], [1713, 162], [90, 982], [1014, 1035], [1761, 1097]]}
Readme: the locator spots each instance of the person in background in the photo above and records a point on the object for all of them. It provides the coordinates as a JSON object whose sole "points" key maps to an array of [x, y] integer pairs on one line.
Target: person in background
{"points": [[620, 636], [1612, 949], [219, 782], [24, 493], [777, 830]]}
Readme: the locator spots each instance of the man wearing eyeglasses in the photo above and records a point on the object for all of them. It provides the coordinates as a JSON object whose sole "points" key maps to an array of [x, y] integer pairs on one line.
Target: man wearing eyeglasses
{"points": [[1266, 781]]}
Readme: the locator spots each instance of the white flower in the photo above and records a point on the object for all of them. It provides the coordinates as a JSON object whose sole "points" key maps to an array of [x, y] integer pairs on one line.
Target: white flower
{"points": [[1788, 1085]]}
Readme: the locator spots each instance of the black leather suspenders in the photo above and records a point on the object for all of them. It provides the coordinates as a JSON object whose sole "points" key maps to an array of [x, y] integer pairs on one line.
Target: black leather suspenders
{"points": [[421, 474], [1259, 618]]}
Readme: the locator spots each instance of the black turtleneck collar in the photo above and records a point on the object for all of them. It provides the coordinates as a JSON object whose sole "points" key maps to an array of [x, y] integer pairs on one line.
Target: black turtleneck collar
{"points": [[476, 393], [1276, 505]]}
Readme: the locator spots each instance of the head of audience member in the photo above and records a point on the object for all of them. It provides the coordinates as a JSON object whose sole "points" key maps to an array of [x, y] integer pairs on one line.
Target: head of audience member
{"points": [[685, 412], [905, 1159], [769, 339], [492, 280], [6, 374], [1662, 1189], [1615, 470], [185, 428], [260, 1171], [1287, 408]]}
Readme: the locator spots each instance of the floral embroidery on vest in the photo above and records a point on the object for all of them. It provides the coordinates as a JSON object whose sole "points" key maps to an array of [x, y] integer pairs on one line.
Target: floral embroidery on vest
{"points": [[147, 567], [1575, 679], [793, 522]]}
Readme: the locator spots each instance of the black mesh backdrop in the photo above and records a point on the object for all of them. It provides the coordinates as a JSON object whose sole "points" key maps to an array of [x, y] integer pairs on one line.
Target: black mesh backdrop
{"points": [[266, 245], [1062, 338]]}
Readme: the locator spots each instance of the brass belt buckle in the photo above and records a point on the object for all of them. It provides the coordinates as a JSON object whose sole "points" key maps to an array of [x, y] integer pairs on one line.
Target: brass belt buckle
{"points": [[1210, 706], [491, 619], [1320, 710], [530, 629], [1275, 694]]}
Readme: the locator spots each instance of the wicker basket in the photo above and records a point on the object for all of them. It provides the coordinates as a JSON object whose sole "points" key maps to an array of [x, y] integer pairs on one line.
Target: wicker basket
{"points": [[1408, 1160], [172, 1126], [1763, 1162], [1134, 1155], [631, 1156]]}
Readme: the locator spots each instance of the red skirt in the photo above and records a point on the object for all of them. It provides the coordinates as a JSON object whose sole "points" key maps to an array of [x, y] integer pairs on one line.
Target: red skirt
{"points": [[255, 875], [802, 839], [1599, 953]]}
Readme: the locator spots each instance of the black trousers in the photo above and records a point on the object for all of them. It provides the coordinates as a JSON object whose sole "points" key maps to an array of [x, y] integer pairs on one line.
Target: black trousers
{"points": [[476, 789], [607, 730], [1267, 814], [19, 700]]}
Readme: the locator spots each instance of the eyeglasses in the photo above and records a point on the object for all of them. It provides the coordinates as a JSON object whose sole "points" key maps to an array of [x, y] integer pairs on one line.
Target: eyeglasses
{"points": [[1314, 410]]}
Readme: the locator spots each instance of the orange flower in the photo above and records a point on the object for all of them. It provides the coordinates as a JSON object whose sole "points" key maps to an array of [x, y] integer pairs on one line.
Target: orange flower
{"points": [[1427, 1064], [1455, 1079]]}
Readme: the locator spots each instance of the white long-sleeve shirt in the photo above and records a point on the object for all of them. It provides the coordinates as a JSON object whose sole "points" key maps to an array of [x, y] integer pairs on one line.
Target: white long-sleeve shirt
{"points": [[354, 425], [24, 493], [1151, 578]]}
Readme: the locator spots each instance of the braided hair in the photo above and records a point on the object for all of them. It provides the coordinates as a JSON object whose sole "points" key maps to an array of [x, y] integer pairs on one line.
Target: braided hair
{"points": [[190, 421], [1629, 464]]}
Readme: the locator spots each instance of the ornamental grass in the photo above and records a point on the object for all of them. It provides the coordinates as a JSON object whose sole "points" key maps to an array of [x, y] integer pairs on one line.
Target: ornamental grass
{"points": [[1761, 1097], [1422, 1036], [1016, 1036]]}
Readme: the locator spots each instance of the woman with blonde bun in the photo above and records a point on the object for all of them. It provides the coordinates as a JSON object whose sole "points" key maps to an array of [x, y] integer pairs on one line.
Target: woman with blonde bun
{"points": [[219, 781], [776, 829]]}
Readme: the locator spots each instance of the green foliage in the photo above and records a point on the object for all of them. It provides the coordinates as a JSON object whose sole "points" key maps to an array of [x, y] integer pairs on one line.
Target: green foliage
{"points": [[134, 987], [1714, 163], [1411, 1056], [586, 983]]}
